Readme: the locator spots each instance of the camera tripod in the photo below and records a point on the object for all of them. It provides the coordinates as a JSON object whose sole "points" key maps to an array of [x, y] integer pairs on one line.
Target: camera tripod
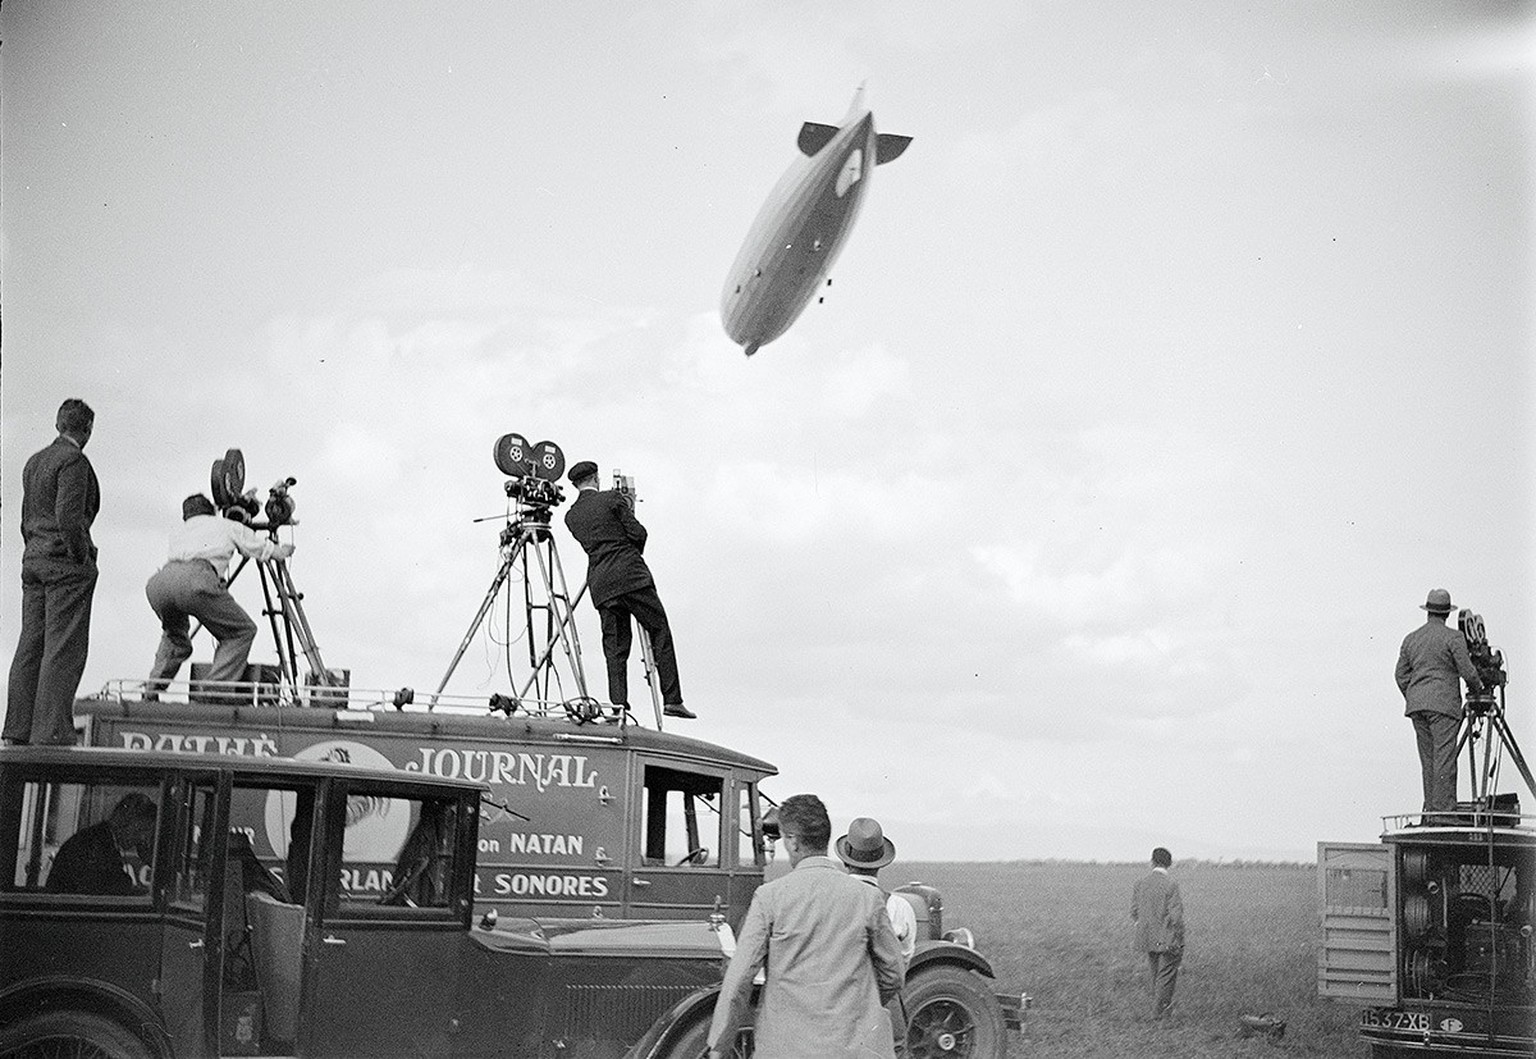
{"points": [[1485, 720], [549, 597], [291, 633], [528, 534]]}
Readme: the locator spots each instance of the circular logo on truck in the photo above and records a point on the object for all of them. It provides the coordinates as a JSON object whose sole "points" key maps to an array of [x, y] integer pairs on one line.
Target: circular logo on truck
{"points": [[376, 827]]}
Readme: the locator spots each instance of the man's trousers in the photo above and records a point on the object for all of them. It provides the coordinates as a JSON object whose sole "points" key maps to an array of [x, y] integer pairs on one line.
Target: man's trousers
{"points": [[1437, 733], [189, 588], [1165, 974], [645, 606], [50, 653]]}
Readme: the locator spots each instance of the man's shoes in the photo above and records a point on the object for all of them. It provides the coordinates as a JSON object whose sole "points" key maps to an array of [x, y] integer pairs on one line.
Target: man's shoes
{"points": [[677, 709]]}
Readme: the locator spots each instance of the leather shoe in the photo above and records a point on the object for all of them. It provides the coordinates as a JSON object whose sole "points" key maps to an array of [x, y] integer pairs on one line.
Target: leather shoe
{"points": [[677, 709]]}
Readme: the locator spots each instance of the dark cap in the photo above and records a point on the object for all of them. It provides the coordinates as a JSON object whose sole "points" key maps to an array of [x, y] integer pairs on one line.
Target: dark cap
{"points": [[582, 471], [196, 504]]}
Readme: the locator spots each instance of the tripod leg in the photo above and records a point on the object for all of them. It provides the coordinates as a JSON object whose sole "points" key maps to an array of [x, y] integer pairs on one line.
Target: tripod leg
{"points": [[485, 606], [287, 663], [1514, 750], [652, 681], [562, 618], [293, 613]]}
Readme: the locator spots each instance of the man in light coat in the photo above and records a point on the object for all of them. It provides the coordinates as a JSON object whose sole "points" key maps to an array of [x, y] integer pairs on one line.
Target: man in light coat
{"points": [[1431, 665], [1158, 912], [832, 960]]}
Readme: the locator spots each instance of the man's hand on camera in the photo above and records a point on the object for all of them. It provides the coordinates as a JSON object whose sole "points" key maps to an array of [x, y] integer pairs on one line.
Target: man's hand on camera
{"points": [[282, 551]]}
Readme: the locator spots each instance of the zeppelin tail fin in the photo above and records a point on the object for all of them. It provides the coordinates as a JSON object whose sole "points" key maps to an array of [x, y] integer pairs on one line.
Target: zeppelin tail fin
{"points": [[814, 136], [888, 147]]}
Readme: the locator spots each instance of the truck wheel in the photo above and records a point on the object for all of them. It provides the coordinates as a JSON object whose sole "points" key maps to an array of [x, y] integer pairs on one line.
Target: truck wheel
{"points": [[695, 1043], [70, 1035], [951, 1014]]}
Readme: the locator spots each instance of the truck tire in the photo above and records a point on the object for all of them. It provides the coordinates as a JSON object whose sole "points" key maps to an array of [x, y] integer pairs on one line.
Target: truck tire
{"points": [[951, 1014], [70, 1035]]}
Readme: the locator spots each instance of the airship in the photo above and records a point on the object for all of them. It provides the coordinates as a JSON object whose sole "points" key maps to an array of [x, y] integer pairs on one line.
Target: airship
{"points": [[798, 233]]}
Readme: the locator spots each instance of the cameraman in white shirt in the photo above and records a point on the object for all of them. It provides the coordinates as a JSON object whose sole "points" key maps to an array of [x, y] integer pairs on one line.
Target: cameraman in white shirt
{"points": [[192, 584]]}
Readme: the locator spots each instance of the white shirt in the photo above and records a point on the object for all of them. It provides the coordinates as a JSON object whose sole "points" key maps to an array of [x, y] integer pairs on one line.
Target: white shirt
{"points": [[899, 911], [217, 539]]}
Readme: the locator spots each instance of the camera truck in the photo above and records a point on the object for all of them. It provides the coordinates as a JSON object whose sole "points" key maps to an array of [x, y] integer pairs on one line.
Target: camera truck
{"points": [[606, 822], [1432, 926], [138, 921]]}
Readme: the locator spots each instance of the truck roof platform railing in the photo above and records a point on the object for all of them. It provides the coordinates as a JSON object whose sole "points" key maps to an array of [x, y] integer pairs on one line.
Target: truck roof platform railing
{"points": [[282, 694], [1466, 816]]}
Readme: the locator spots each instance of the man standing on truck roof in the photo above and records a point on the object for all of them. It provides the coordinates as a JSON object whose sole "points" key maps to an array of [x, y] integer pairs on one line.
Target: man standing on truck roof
{"points": [[1430, 667], [604, 524], [1158, 911], [832, 960], [59, 501], [192, 584]]}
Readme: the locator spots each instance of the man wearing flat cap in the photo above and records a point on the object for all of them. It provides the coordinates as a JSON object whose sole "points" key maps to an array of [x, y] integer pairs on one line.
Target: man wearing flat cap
{"points": [[604, 524], [1430, 667]]}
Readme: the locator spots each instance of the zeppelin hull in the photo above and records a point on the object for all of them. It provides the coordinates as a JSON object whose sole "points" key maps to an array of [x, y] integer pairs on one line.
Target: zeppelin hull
{"points": [[799, 232]]}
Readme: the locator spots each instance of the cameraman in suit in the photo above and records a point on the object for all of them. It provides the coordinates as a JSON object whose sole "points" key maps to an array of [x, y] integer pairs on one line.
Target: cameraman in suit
{"points": [[603, 523]]}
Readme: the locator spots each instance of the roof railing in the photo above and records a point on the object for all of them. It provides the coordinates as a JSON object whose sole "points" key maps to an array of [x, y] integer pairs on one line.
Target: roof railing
{"points": [[279, 695]]}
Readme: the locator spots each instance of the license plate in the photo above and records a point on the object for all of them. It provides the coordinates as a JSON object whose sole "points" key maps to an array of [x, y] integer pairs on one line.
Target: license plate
{"points": [[1388, 1019]]}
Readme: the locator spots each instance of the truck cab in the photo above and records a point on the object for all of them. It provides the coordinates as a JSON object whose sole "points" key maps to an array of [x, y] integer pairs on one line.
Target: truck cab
{"points": [[139, 918]]}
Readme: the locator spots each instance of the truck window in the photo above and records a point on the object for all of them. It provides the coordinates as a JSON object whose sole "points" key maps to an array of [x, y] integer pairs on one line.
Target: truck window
{"points": [[194, 841], [681, 817], [83, 838], [749, 851], [399, 853], [274, 825]]}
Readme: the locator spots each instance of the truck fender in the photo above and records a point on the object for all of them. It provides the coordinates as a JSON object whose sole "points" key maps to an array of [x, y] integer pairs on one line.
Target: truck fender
{"points": [[54, 993], [679, 1018], [933, 953]]}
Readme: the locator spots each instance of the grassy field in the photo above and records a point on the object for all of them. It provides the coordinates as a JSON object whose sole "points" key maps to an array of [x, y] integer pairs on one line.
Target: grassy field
{"points": [[1062, 933]]}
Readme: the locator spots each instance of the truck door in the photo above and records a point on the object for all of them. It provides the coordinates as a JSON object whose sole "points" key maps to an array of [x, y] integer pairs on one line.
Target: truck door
{"points": [[680, 872], [1357, 896], [395, 903], [189, 960]]}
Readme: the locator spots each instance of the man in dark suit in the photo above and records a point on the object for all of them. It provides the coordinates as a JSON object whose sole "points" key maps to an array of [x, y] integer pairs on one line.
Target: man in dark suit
{"points": [[604, 524], [59, 502], [1431, 665], [1158, 912], [91, 861]]}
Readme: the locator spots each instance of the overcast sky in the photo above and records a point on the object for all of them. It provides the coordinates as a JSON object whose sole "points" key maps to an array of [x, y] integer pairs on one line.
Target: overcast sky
{"points": [[1185, 349]]}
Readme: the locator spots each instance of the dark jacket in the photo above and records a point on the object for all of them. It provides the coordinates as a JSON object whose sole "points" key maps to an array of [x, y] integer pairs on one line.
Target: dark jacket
{"points": [[1430, 667], [88, 863], [605, 527], [59, 501]]}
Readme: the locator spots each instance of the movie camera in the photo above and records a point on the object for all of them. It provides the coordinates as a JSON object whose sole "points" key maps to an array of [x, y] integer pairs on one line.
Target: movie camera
{"points": [[1485, 709], [533, 473], [227, 484], [1486, 659]]}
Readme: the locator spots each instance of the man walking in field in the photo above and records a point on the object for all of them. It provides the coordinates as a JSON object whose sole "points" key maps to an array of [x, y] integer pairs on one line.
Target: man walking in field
{"points": [[1158, 912]]}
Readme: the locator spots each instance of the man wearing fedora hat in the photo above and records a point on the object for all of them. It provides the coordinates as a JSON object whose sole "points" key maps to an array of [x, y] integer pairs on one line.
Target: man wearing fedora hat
{"points": [[604, 524], [864, 850], [830, 960], [1430, 667], [192, 584]]}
